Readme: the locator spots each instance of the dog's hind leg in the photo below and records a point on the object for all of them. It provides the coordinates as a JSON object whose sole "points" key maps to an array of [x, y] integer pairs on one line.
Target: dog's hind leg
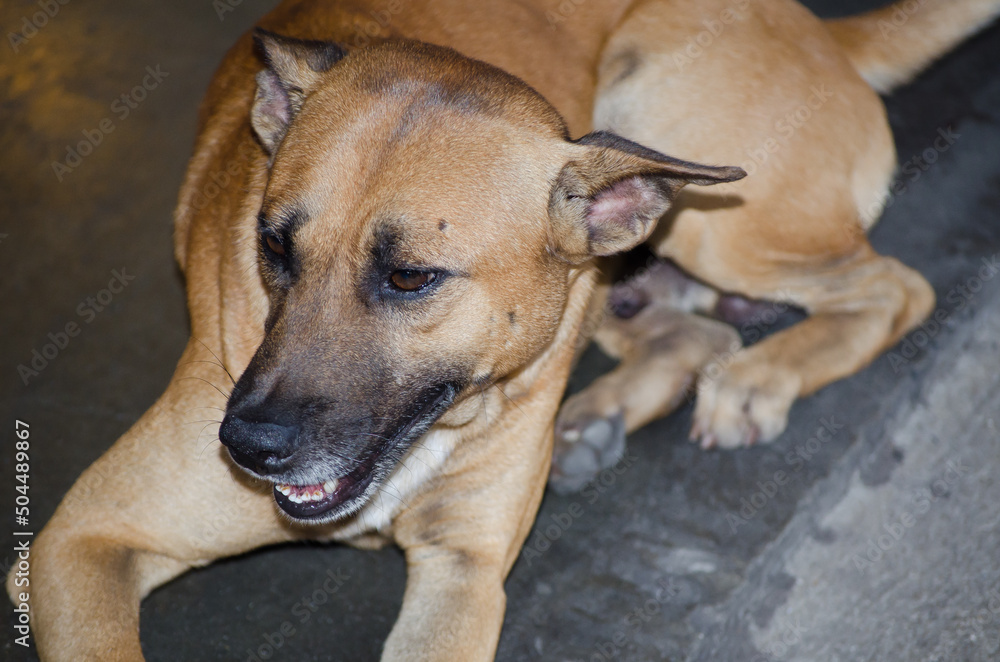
{"points": [[858, 307], [662, 344], [765, 86], [162, 500]]}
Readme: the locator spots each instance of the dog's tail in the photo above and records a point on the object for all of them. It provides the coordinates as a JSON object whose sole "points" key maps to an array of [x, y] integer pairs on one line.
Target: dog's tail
{"points": [[890, 46]]}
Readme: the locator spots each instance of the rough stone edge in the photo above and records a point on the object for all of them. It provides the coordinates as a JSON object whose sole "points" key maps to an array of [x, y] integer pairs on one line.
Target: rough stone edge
{"points": [[725, 629]]}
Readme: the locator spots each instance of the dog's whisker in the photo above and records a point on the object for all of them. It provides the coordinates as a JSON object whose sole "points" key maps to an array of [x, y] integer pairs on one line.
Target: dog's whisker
{"points": [[402, 465], [208, 445], [207, 425], [229, 472], [402, 502], [224, 394], [212, 363], [377, 436], [221, 364], [388, 488], [201, 432], [419, 445], [497, 386], [420, 459]]}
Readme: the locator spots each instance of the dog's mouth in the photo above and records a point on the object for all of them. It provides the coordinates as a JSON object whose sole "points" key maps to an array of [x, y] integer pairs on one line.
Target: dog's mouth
{"points": [[313, 501], [338, 497]]}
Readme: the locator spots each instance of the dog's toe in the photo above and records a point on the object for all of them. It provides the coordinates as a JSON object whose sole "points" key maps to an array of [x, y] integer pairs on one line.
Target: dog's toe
{"points": [[585, 448], [743, 406]]}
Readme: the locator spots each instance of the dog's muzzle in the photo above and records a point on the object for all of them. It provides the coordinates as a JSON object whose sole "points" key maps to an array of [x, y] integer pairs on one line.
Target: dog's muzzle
{"points": [[270, 450]]}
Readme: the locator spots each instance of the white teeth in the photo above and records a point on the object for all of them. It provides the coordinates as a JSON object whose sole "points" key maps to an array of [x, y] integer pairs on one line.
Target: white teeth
{"points": [[305, 494]]}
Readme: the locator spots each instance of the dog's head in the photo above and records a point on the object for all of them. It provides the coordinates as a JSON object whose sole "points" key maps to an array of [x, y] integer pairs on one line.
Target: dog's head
{"points": [[423, 216]]}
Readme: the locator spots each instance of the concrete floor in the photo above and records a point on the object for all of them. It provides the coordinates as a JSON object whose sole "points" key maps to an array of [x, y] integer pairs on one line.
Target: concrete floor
{"points": [[880, 545]]}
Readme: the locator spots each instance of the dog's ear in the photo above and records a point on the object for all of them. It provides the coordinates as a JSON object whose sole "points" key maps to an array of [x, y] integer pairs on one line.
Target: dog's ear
{"points": [[294, 69], [609, 196]]}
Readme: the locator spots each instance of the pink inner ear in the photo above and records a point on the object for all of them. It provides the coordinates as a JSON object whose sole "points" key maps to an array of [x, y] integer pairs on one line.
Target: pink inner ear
{"points": [[276, 104], [624, 200]]}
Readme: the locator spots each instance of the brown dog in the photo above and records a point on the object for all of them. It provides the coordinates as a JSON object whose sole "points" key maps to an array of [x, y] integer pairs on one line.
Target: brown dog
{"points": [[767, 86], [401, 273]]}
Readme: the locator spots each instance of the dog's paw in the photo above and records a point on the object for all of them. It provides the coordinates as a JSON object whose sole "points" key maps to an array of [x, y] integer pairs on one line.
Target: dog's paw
{"points": [[743, 405], [583, 448]]}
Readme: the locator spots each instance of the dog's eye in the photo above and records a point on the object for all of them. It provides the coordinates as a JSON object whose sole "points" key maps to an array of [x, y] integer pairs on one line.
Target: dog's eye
{"points": [[274, 245], [411, 280]]}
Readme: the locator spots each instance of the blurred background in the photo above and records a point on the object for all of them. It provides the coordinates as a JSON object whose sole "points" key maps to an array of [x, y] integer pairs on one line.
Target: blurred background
{"points": [[879, 543]]}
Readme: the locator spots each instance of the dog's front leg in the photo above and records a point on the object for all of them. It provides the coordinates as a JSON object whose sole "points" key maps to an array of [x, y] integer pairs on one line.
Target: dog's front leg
{"points": [[461, 538], [661, 350], [161, 500], [452, 609], [85, 600]]}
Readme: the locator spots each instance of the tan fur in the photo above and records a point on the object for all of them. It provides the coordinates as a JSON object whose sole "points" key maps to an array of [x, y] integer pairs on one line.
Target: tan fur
{"points": [[794, 229], [889, 46], [164, 499]]}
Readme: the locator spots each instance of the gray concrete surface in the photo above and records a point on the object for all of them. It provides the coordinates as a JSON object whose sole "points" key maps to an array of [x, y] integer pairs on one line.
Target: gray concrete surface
{"points": [[879, 543]]}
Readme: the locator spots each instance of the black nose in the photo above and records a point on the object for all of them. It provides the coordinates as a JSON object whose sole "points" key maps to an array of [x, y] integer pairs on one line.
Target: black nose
{"points": [[260, 447]]}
